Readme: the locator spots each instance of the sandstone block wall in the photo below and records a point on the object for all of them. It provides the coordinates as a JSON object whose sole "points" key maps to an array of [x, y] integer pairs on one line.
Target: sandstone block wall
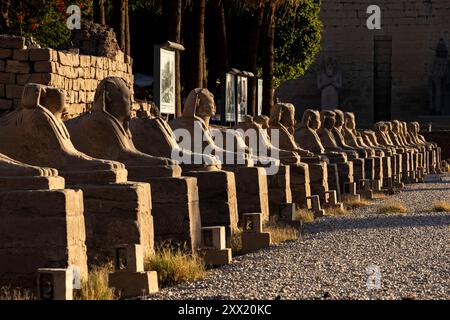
{"points": [[415, 27], [442, 138], [78, 74]]}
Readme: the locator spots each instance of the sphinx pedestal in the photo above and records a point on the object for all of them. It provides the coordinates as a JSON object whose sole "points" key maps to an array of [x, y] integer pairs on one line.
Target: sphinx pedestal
{"points": [[39, 229], [175, 208], [117, 214], [218, 203], [252, 190], [279, 188], [300, 185], [318, 173]]}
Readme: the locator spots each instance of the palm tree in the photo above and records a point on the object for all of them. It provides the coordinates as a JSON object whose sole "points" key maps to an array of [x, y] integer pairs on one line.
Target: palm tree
{"points": [[5, 8], [264, 27], [99, 12], [174, 34], [197, 76]]}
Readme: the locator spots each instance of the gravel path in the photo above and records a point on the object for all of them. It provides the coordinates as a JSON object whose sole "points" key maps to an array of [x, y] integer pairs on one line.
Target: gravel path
{"points": [[336, 255]]}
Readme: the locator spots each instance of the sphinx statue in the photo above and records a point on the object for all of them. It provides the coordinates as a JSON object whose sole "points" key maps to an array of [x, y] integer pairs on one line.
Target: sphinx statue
{"points": [[109, 134], [373, 158], [41, 139], [299, 179], [329, 135], [33, 200], [263, 121], [394, 129], [370, 139], [432, 156], [193, 127], [216, 187], [13, 168], [381, 131], [282, 120], [105, 133], [307, 137]]}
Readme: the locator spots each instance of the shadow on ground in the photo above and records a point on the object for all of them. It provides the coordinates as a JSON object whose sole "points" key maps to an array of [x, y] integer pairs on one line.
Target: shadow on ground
{"points": [[379, 221]]}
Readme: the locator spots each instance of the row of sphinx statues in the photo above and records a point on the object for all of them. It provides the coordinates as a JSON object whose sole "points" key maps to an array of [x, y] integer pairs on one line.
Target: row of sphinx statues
{"points": [[93, 182]]}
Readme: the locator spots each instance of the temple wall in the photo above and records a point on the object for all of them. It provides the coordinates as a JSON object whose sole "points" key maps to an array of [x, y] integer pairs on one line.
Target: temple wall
{"points": [[413, 26], [78, 74], [442, 138]]}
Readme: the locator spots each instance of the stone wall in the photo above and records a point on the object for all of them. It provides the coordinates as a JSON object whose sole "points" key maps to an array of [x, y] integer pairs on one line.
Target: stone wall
{"points": [[442, 138], [78, 74], [415, 27]]}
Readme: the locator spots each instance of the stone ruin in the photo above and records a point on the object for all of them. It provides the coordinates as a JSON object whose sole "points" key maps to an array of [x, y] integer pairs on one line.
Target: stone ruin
{"points": [[94, 39], [104, 193], [78, 74]]}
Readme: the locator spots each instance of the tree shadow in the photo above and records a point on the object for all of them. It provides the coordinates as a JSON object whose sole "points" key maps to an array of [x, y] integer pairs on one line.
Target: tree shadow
{"points": [[378, 222]]}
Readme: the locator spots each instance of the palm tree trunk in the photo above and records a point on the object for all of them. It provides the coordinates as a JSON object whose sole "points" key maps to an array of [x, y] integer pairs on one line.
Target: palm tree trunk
{"points": [[268, 58], [5, 23], [217, 43], [127, 31], [175, 10], [118, 22], [197, 76], [99, 12], [252, 56]]}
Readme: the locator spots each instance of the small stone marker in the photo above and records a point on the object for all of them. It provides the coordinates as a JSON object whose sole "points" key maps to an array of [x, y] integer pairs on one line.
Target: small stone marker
{"points": [[317, 207], [365, 190], [253, 237], [288, 211], [130, 277], [332, 200], [350, 193], [214, 248], [55, 284]]}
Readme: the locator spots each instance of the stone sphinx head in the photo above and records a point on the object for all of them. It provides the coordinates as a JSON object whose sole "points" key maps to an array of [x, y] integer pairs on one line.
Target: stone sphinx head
{"points": [[288, 117], [310, 120], [114, 98], [396, 126], [200, 103], [350, 121], [328, 119], [54, 100], [340, 118], [31, 95], [262, 120], [276, 114]]}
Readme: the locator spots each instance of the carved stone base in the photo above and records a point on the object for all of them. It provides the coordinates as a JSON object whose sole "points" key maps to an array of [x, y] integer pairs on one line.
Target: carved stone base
{"points": [[117, 214], [40, 229], [253, 241], [279, 187], [218, 202], [176, 211], [252, 190]]}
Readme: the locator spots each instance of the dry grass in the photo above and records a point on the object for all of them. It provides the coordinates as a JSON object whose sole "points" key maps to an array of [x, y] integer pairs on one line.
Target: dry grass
{"points": [[8, 293], [441, 206], [379, 196], [392, 207], [175, 266], [307, 216], [337, 211], [236, 242], [96, 287], [281, 232], [354, 204]]}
